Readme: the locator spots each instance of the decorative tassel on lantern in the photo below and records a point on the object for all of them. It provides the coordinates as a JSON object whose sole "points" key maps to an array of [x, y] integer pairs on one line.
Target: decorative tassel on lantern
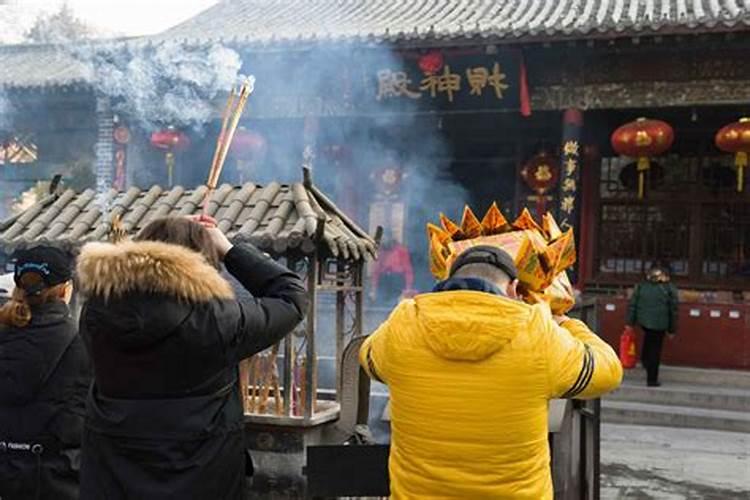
{"points": [[735, 138], [644, 164], [740, 161], [170, 162]]}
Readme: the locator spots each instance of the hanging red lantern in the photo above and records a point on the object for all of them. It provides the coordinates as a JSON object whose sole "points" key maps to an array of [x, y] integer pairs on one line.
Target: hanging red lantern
{"points": [[431, 62], [170, 140], [735, 138], [247, 142], [642, 139], [541, 174], [247, 148]]}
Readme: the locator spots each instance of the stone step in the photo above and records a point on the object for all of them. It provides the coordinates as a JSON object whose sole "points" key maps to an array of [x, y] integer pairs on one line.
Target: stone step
{"points": [[688, 395], [735, 379], [627, 412]]}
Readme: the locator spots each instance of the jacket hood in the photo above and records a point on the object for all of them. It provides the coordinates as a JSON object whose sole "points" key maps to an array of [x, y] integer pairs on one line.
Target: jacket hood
{"points": [[109, 270], [468, 325], [141, 292]]}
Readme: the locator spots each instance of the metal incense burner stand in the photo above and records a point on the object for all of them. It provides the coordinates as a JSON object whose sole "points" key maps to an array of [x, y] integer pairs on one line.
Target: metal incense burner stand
{"points": [[289, 406], [298, 411]]}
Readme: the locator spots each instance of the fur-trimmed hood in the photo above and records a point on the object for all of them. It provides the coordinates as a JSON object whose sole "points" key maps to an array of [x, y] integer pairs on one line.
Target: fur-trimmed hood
{"points": [[109, 270]]}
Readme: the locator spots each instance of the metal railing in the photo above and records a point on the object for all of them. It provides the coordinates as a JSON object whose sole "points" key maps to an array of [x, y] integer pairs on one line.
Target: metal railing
{"points": [[575, 445]]}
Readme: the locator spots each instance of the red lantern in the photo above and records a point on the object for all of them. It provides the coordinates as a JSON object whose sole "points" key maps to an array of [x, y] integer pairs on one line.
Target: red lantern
{"points": [[247, 142], [170, 140], [735, 138], [432, 62], [642, 139], [541, 173], [247, 148]]}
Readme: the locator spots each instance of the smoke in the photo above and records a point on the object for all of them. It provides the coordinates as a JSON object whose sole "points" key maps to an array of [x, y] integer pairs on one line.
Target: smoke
{"points": [[339, 85], [160, 84], [6, 113]]}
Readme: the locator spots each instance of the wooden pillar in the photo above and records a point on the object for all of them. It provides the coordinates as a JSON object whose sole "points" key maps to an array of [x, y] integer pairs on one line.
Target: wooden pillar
{"points": [[587, 233], [311, 363], [359, 299], [363, 403], [570, 175], [340, 320], [288, 374]]}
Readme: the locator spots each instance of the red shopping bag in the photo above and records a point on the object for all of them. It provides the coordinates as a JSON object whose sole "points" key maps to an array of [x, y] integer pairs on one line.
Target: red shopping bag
{"points": [[628, 355]]}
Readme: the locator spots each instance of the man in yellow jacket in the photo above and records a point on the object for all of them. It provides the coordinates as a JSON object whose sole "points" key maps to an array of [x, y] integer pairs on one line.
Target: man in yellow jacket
{"points": [[470, 370]]}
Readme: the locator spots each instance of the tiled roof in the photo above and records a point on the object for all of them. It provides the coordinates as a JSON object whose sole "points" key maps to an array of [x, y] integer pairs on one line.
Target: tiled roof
{"points": [[278, 218], [278, 21], [39, 66]]}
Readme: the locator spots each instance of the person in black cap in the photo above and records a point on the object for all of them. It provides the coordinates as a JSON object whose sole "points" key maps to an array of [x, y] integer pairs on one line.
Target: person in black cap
{"points": [[44, 378], [483, 268], [471, 369]]}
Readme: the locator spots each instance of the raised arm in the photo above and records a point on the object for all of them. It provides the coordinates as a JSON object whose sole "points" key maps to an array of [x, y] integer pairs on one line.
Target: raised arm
{"points": [[278, 302], [580, 364], [373, 355]]}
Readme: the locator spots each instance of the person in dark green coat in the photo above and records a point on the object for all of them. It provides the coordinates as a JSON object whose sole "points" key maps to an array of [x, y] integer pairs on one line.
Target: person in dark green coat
{"points": [[653, 307]]}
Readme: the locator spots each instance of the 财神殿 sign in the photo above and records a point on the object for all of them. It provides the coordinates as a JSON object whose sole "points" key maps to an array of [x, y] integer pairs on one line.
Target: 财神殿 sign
{"points": [[473, 82]]}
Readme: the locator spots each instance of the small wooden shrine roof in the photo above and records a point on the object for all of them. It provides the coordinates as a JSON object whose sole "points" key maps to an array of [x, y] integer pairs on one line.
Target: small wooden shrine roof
{"points": [[269, 22], [279, 218]]}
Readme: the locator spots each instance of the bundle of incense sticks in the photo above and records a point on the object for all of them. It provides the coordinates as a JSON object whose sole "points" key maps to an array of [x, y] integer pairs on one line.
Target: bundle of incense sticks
{"points": [[230, 120], [117, 231]]}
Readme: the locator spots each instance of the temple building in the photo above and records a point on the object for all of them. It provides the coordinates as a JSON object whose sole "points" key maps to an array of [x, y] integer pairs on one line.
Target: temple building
{"points": [[407, 108]]}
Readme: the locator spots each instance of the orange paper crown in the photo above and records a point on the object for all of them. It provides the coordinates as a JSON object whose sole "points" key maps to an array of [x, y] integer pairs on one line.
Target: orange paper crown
{"points": [[541, 253]]}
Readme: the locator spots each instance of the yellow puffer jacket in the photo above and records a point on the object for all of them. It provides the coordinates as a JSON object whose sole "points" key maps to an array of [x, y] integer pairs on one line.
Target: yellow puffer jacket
{"points": [[470, 375]]}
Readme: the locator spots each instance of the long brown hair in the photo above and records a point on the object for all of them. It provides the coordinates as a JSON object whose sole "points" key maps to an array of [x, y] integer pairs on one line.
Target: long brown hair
{"points": [[184, 232], [17, 311]]}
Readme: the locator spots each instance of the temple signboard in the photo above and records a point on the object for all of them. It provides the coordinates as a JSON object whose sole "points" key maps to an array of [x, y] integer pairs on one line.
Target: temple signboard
{"points": [[461, 83]]}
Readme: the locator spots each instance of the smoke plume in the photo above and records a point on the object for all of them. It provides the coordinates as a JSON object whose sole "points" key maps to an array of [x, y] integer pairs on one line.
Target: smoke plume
{"points": [[6, 113], [166, 83]]}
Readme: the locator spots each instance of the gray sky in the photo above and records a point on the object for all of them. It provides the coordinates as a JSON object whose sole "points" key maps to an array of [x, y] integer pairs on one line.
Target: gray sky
{"points": [[127, 17]]}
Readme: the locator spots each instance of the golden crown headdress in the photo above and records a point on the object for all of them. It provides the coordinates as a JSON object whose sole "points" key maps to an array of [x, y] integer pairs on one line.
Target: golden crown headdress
{"points": [[541, 253]]}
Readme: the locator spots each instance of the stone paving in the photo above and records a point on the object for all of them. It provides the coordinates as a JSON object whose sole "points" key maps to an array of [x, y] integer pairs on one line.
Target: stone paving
{"points": [[662, 463]]}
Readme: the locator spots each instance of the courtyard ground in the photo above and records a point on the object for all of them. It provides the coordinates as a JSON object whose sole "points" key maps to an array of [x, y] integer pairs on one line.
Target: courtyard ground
{"points": [[662, 463]]}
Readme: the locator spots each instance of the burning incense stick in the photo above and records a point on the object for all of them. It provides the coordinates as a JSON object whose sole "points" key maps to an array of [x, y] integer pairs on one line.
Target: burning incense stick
{"points": [[230, 121], [222, 133]]}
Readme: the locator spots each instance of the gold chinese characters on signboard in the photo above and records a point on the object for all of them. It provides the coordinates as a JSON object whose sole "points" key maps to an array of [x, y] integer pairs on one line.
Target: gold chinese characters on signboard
{"points": [[480, 79], [569, 184]]}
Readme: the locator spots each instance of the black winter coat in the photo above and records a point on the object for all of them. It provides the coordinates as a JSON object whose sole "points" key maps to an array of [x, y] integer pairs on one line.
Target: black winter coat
{"points": [[44, 378], [166, 334]]}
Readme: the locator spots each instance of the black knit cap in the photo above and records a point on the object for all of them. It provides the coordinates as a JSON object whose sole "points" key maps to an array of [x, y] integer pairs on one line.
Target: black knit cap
{"points": [[54, 266], [487, 254]]}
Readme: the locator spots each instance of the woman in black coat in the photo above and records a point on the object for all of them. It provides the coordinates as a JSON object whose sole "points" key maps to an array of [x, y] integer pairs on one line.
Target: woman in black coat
{"points": [[166, 334], [44, 378]]}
